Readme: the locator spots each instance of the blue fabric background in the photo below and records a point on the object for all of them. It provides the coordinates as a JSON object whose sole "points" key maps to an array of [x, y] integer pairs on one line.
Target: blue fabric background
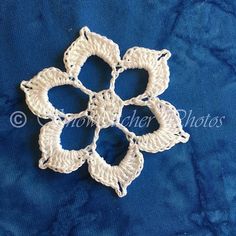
{"points": [[188, 190]]}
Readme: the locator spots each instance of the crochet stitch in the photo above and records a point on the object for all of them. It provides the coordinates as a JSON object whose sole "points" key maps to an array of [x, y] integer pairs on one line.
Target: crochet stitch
{"points": [[104, 110]]}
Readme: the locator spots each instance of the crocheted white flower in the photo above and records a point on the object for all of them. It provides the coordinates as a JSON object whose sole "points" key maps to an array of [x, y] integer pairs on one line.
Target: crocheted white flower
{"points": [[104, 109]]}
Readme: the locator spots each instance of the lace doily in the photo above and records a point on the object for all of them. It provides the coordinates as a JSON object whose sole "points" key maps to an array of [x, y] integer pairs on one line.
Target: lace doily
{"points": [[104, 109]]}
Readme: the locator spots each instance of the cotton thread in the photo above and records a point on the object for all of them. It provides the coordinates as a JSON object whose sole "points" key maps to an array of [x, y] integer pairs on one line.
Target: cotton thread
{"points": [[104, 110]]}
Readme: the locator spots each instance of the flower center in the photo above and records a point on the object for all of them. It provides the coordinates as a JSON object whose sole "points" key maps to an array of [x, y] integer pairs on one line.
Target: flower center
{"points": [[105, 108]]}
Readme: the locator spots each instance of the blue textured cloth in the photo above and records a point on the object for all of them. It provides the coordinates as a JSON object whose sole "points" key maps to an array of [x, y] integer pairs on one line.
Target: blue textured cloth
{"points": [[188, 190]]}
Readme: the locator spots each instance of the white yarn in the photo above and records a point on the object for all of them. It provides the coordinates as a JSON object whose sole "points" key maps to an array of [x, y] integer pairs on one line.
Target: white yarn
{"points": [[104, 109]]}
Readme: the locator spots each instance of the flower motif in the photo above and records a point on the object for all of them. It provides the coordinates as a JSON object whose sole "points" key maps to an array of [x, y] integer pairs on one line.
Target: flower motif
{"points": [[104, 109]]}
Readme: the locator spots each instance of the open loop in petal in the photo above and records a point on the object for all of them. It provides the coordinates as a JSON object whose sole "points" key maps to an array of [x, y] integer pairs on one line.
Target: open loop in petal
{"points": [[119, 176], [89, 44], [36, 91], [154, 62], [53, 155], [170, 131]]}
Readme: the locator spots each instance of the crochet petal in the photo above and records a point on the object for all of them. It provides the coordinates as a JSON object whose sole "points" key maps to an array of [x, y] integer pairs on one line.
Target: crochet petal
{"points": [[36, 91], [155, 62], [53, 155], [170, 131], [120, 176], [89, 44]]}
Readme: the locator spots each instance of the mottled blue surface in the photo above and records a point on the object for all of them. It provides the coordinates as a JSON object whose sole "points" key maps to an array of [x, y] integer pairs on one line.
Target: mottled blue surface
{"points": [[188, 190]]}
